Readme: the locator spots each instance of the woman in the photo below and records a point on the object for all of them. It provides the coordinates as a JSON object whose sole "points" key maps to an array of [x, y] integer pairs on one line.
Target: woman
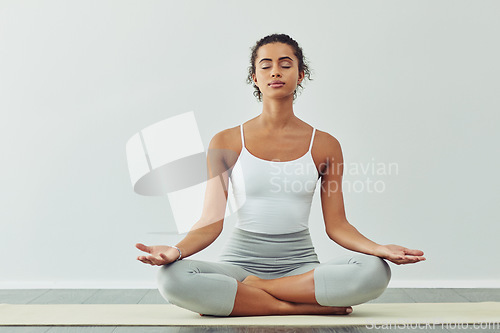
{"points": [[269, 266]]}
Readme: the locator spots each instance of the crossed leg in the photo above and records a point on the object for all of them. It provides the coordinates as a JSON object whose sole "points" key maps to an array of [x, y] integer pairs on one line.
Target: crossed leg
{"points": [[223, 289], [216, 289], [254, 301], [297, 288], [344, 281]]}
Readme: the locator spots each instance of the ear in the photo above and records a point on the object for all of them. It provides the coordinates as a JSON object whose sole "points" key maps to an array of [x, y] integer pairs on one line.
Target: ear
{"points": [[301, 77], [254, 78]]}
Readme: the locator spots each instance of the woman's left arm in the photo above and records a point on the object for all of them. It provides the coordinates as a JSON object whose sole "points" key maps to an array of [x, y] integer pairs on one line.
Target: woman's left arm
{"points": [[337, 227]]}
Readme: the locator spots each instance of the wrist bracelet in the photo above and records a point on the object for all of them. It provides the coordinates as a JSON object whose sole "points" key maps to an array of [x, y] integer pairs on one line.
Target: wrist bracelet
{"points": [[180, 253]]}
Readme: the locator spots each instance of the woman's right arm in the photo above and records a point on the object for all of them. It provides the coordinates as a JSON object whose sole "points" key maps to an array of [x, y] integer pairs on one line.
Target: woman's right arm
{"points": [[206, 230]]}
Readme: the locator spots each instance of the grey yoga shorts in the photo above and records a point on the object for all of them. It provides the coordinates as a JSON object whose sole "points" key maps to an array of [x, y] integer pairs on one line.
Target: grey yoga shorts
{"points": [[210, 287]]}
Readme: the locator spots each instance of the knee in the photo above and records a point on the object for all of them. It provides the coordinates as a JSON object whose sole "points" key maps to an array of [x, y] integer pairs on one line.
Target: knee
{"points": [[376, 274], [379, 268], [185, 283], [171, 279]]}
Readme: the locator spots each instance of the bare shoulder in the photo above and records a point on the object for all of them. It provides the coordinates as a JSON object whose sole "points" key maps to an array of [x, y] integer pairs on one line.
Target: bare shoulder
{"points": [[326, 142], [226, 139], [226, 144], [327, 149]]}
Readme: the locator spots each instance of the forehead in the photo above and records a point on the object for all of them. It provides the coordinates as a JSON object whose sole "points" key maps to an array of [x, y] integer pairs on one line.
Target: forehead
{"points": [[275, 51]]}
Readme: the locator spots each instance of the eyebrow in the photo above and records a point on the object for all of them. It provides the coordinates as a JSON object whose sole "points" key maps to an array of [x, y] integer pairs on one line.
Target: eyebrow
{"points": [[261, 60]]}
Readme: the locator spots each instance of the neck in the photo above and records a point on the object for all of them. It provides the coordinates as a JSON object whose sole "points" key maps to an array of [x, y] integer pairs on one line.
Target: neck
{"points": [[277, 114]]}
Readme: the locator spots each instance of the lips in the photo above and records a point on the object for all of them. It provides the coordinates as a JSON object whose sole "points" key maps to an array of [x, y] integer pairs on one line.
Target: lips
{"points": [[276, 84]]}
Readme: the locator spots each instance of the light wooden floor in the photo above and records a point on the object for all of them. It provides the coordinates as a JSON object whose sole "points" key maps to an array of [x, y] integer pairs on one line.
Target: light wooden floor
{"points": [[152, 296]]}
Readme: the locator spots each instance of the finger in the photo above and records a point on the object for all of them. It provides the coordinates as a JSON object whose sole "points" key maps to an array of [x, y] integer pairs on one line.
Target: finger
{"points": [[143, 247], [410, 260], [398, 257], [154, 260], [396, 261], [401, 261], [144, 260], [416, 258], [414, 252]]}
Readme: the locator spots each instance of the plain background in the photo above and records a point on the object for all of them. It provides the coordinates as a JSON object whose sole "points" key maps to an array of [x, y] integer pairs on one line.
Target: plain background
{"points": [[415, 83]]}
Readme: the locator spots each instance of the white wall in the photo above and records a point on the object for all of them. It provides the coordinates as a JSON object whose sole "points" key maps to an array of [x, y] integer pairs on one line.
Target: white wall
{"points": [[408, 82]]}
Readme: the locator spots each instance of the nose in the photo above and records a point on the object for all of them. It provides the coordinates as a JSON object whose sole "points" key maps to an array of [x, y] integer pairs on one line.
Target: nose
{"points": [[275, 72]]}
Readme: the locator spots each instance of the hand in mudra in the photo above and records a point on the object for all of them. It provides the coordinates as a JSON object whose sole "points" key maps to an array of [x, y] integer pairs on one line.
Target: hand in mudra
{"points": [[159, 254], [399, 254]]}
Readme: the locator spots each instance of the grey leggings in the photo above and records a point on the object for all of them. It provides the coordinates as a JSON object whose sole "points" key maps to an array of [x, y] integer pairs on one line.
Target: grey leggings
{"points": [[210, 287]]}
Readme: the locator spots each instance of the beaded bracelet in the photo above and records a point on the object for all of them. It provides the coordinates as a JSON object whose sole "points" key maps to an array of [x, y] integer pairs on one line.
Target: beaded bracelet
{"points": [[180, 253]]}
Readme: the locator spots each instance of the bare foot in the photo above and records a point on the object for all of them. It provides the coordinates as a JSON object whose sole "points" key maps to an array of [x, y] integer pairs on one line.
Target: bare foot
{"points": [[301, 308]]}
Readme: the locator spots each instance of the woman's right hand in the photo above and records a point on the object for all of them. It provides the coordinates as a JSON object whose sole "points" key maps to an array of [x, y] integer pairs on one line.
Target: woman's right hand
{"points": [[159, 254]]}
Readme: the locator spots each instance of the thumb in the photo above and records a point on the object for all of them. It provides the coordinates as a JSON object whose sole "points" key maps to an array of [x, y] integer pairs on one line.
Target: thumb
{"points": [[143, 247]]}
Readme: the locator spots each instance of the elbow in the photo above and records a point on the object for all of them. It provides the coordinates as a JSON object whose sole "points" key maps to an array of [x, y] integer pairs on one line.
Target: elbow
{"points": [[331, 234], [216, 227], [333, 229], [209, 226]]}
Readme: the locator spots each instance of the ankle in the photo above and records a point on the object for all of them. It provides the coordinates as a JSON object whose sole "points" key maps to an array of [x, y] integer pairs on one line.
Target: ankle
{"points": [[286, 308]]}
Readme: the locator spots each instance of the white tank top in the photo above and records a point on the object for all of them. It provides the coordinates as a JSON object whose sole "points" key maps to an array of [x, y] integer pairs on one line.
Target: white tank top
{"points": [[273, 197]]}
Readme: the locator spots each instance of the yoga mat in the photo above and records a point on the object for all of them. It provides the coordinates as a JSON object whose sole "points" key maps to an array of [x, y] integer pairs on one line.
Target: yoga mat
{"points": [[171, 315]]}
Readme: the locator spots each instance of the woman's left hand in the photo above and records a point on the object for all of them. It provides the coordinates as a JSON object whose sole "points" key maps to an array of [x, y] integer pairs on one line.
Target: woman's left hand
{"points": [[399, 254]]}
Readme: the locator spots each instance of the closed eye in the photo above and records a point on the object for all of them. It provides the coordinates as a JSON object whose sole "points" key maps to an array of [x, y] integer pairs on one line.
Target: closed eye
{"points": [[283, 67]]}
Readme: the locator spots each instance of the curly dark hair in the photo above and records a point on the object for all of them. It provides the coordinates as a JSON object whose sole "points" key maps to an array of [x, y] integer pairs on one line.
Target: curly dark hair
{"points": [[297, 51]]}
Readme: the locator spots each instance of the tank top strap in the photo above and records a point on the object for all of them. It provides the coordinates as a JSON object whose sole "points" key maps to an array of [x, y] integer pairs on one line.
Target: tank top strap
{"points": [[312, 139], [242, 137]]}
